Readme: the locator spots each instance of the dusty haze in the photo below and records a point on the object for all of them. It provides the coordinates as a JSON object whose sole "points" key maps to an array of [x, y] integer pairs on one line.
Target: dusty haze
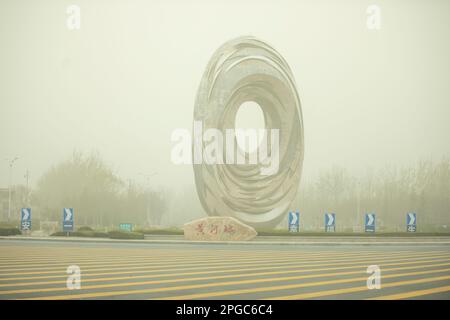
{"points": [[123, 82]]}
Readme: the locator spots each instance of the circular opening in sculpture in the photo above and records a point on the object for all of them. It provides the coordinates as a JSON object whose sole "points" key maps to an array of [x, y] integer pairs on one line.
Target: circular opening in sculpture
{"points": [[249, 121]]}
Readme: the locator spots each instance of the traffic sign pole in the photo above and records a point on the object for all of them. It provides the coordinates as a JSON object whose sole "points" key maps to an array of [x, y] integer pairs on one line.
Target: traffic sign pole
{"points": [[411, 222], [370, 222], [294, 221], [330, 222], [68, 220]]}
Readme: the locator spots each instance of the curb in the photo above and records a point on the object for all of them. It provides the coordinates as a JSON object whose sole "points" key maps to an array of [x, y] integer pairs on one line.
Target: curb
{"points": [[190, 242]]}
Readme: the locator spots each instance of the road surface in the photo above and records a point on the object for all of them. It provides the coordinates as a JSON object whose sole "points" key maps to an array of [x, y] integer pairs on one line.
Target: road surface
{"points": [[37, 270]]}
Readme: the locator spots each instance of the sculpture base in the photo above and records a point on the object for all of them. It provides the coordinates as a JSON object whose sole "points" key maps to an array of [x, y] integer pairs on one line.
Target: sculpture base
{"points": [[218, 229]]}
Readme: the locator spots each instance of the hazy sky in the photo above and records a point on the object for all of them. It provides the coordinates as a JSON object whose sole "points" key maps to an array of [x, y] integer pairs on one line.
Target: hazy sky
{"points": [[122, 83]]}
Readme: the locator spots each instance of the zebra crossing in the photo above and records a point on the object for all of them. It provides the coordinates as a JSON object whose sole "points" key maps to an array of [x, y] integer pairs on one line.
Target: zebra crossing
{"points": [[39, 270]]}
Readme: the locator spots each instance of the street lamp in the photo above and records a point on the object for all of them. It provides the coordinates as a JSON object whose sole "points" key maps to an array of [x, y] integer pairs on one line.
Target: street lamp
{"points": [[11, 163]]}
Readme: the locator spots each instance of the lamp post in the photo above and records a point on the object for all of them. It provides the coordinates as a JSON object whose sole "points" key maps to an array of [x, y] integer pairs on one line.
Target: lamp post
{"points": [[11, 163]]}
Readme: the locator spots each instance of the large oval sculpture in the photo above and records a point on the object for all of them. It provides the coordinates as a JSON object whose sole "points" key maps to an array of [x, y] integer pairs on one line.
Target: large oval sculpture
{"points": [[247, 69]]}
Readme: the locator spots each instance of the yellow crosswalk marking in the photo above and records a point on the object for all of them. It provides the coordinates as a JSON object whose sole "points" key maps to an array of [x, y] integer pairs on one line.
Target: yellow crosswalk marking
{"points": [[220, 284], [359, 289], [162, 258], [341, 266], [138, 265], [24, 260], [176, 280], [273, 264], [413, 294], [296, 286], [39, 271]]}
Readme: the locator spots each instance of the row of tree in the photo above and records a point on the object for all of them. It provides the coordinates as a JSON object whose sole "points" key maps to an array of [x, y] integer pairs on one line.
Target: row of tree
{"points": [[99, 197], [390, 193]]}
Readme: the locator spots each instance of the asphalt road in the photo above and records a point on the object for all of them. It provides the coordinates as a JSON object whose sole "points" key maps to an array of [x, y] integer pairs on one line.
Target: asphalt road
{"points": [[37, 270]]}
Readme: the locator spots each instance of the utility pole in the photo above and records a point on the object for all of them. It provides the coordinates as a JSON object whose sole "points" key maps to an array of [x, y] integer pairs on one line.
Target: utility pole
{"points": [[11, 163]]}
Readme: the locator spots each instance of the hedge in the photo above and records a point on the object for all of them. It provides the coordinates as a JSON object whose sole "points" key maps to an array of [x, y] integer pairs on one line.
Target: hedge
{"points": [[9, 231], [85, 228], [117, 234], [89, 234], [172, 231]]}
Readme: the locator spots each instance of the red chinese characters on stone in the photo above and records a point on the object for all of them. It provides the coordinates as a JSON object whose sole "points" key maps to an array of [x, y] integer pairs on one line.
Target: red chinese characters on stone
{"points": [[218, 229], [213, 229], [200, 228], [228, 228]]}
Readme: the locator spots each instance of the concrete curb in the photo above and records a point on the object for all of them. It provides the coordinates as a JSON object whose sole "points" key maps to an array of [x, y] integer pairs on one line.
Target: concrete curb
{"points": [[188, 242]]}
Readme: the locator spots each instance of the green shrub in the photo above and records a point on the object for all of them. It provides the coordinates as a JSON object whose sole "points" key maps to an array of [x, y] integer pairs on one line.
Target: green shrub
{"points": [[59, 234], [98, 234], [6, 225], [117, 234], [89, 234], [85, 228], [172, 231], [9, 231]]}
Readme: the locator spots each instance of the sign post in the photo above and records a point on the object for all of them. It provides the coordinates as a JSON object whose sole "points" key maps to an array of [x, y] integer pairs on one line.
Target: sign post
{"points": [[25, 219], [370, 222], [411, 223], [330, 222], [294, 221], [68, 220]]}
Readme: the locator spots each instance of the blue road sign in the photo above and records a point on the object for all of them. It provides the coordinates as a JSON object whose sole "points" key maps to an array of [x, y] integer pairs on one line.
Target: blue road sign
{"points": [[25, 219], [68, 219], [330, 222], [294, 221], [411, 223], [370, 222]]}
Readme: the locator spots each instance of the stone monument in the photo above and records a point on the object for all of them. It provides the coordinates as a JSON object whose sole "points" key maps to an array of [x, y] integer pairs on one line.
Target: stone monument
{"points": [[241, 70]]}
